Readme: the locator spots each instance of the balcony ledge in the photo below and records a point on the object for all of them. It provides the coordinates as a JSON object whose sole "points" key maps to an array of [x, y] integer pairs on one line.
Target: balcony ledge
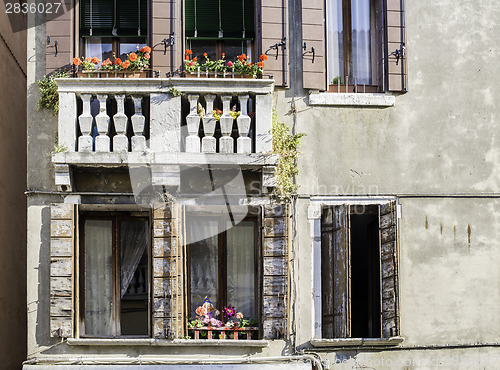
{"points": [[352, 100], [188, 159], [357, 342], [167, 343]]}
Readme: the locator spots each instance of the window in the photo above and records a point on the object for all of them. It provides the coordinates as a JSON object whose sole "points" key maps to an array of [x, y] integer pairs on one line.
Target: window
{"points": [[351, 40], [114, 275], [219, 26], [223, 264], [107, 26], [359, 271]]}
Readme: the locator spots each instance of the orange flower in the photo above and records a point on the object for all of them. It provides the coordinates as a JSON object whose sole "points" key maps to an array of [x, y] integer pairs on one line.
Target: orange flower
{"points": [[195, 59], [205, 55], [223, 55], [242, 57], [187, 57], [260, 64], [263, 57], [188, 52], [126, 64], [77, 61], [147, 56], [146, 49], [95, 60], [250, 64], [118, 61], [106, 62], [87, 59], [132, 57]]}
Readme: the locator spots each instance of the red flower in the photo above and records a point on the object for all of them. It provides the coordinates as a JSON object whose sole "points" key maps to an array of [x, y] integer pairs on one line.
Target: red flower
{"points": [[188, 52], [191, 64], [118, 61], [95, 60], [77, 61], [263, 57], [205, 55], [223, 55], [187, 57], [242, 57], [147, 56], [260, 64], [195, 59]]}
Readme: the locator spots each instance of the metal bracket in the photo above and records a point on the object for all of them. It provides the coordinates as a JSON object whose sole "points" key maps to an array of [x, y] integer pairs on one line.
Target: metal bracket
{"points": [[282, 43], [167, 42], [312, 51], [399, 53], [55, 43]]}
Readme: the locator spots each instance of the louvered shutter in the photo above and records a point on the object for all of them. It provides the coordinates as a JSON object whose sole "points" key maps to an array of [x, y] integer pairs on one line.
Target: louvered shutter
{"points": [[62, 234], [275, 271], [397, 78], [59, 27], [166, 22], [167, 273], [274, 28], [389, 269], [341, 273], [327, 281], [313, 34]]}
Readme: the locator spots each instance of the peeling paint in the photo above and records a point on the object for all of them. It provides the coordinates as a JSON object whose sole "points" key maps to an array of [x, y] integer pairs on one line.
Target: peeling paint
{"points": [[468, 235]]}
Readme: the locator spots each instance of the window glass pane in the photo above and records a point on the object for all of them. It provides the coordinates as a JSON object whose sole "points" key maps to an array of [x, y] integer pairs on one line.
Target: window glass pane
{"points": [[99, 47], [233, 48], [98, 277], [361, 45], [199, 47], [241, 268], [129, 45], [203, 262], [134, 277], [335, 40]]}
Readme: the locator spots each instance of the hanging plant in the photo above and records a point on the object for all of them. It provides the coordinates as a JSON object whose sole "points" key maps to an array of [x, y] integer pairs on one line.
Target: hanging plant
{"points": [[286, 146], [49, 98]]}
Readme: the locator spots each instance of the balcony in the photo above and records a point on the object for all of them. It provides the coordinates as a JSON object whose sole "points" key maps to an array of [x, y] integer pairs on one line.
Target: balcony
{"points": [[157, 122]]}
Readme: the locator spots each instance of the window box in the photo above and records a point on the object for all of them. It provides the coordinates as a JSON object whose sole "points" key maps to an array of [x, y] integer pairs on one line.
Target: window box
{"points": [[224, 333], [111, 74]]}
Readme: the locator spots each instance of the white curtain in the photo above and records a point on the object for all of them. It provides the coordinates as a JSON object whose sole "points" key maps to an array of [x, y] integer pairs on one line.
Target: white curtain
{"points": [[134, 239], [98, 277], [361, 45], [98, 47], [241, 268], [204, 262], [334, 40]]}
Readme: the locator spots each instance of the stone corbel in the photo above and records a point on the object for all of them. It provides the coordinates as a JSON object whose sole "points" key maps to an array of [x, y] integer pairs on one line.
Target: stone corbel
{"points": [[268, 178], [62, 177]]}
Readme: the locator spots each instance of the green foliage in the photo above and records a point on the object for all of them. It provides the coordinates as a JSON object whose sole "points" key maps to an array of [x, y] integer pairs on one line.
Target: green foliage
{"points": [[174, 92], [49, 98], [286, 146], [336, 80]]}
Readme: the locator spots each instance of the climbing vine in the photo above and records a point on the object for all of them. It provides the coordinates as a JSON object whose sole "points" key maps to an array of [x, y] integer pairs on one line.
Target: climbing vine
{"points": [[285, 144], [49, 98]]}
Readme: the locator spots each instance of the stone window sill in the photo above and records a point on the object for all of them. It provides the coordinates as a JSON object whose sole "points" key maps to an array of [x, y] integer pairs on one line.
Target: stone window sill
{"points": [[167, 343], [357, 342], [352, 100]]}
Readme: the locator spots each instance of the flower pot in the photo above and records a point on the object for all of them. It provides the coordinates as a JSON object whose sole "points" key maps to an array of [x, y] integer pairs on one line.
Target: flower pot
{"points": [[111, 74]]}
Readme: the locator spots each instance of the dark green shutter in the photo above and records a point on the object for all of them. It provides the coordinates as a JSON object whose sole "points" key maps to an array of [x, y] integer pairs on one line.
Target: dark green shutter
{"points": [[99, 16], [207, 18]]}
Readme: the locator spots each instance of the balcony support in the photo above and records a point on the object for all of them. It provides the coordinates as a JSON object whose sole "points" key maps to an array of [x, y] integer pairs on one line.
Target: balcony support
{"points": [[193, 125], [226, 142], [208, 143], [102, 142], [138, 124], [120, 120]]}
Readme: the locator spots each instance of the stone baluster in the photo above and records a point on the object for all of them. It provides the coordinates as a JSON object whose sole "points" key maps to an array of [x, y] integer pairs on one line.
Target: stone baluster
{"points": [[226, 142], [102, 142], [85, 121], [208, 143], [138, 124], [193, 125], [244, 143], [120, 140]]}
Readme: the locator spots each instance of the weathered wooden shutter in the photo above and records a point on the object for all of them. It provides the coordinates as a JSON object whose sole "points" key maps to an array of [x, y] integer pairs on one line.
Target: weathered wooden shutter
{"points": [[395, 33], [59, 27], [313, 35], [166, 23], [341, 273], [327, 281], [273, 29], [275, 272], [62, 236], [381, 45], [167, 273], [389, 269]]}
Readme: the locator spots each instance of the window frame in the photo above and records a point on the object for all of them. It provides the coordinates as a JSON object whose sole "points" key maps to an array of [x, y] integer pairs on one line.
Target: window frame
{"points": [[222, 268], [114, 217], [314, 215]]}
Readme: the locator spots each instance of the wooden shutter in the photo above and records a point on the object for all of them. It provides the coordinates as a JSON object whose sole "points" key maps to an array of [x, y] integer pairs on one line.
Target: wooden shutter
{"points": [[397, 78], [389, 269], [62, 234], [167, 273], [275, 271], [341, 273], [313, 34], [273, 21], [59, 27], [327, 281], [166, 22]]}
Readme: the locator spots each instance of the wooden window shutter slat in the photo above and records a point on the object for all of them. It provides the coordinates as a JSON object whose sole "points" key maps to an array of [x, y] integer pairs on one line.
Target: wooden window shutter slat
{"points": [[395, 37], [167, 273], [62, 237], [274, 28], [327, 274], [341, 273], [166, 20], [59, 27], [275, 271], [313, 34], [389, 269]]}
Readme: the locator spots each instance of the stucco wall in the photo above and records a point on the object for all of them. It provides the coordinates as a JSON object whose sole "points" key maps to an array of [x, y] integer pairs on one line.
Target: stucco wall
{"points": [[12, 198]]}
